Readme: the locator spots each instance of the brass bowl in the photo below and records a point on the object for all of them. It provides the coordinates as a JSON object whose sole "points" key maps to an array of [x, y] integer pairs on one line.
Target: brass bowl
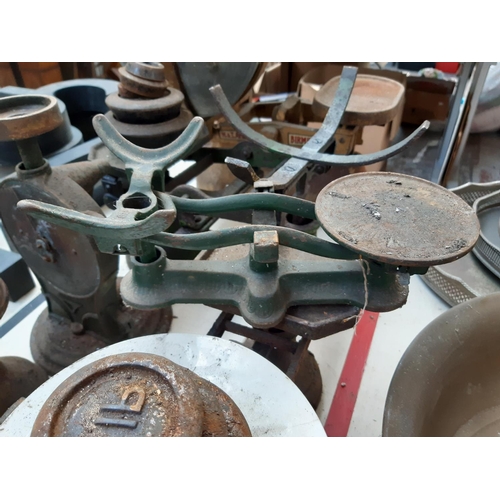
{"points": [[448, 380]]}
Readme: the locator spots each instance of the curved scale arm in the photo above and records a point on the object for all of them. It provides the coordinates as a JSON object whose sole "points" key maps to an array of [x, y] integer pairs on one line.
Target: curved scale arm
{"points": [[117, 226], [128, 224], [336, 110], [241, 235], [246, 201], [154, 158], [120, 228], [305, 153]]}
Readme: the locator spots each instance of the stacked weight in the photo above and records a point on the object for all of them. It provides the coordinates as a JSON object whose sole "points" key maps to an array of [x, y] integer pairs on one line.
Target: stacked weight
{"points": [[145, 110]]}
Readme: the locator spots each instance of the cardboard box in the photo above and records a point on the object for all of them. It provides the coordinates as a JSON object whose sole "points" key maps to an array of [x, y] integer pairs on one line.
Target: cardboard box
{"points": [[273, 80], [7, 77], [299, 69], [312, 81], [38, 74], [375, 138], [427, 99], [285, 76]]}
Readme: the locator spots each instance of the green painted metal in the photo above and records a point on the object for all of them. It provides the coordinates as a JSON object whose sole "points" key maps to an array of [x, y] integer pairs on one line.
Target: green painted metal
{"points": [[247, 201], [307, 154], [262, 297], [276, 267], [242, 235]]}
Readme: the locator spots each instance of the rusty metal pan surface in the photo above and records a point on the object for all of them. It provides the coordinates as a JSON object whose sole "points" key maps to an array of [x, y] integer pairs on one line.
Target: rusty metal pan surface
{"points": [[138, 395], [397, 219], [270, 402]]}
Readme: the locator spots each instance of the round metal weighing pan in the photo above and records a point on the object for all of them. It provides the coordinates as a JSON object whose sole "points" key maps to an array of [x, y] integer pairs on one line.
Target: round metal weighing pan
{"points": [[448, 380]]}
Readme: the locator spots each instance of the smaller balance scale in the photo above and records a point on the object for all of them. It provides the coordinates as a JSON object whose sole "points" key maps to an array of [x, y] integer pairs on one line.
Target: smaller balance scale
{"points": [[384, 226]]}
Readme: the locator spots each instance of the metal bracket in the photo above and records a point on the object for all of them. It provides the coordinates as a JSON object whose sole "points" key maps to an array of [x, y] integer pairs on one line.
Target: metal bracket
{"points": [[309, 153]]}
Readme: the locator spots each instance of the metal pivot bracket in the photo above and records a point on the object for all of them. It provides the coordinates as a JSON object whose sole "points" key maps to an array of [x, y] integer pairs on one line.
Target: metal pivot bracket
{"points": [[143, 210]]}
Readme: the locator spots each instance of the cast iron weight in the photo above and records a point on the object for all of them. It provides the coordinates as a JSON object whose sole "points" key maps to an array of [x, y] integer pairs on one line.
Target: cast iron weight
{"points": [[138, 395]]}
